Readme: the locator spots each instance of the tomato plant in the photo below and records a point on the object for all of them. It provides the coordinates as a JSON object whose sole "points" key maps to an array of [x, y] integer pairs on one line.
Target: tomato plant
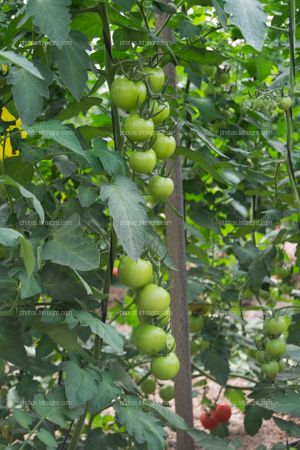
{"points": [[149, 186]]}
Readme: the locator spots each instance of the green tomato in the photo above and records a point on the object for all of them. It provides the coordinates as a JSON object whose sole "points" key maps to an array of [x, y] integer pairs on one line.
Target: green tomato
{"points": [[164, 146], [261, 356], [143, 162], [160, 320], [284, 103], [160, 187], [153, 299], [156, 78], [124, 93], [170, 343], [135, 274], [138, 129], [166, 392], [270, 369], [223, 77], [282, 365], [141, 92], [194, 347], [208, 70], [195, 324], [149, 339], [165, 367], [148, 386], [160, 112], [276, 347], [275, 326]]}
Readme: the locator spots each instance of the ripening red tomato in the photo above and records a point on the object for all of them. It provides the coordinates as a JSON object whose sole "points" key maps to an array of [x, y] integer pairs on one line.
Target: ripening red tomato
{"points": [[222, 413], [208, 421]]}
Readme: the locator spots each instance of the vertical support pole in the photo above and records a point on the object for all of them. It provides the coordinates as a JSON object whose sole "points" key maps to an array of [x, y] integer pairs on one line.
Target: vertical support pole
{"points": [[175, 231]]}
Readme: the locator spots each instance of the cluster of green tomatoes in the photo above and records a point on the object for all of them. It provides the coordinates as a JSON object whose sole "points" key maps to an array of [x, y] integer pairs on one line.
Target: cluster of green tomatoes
{"points": [[272, 346], [151, 336], [147, 139]]}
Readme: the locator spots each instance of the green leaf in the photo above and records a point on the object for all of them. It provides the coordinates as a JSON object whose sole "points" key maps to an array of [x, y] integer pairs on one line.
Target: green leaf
{"points": [[73, 62], [254, 416], [30, 101], [86, 196], [47, 438], [26, 194], [125, 4], [104, 330], [27, 255], [111, 160], [88, 23], [62, 134], [204, 164], [29, 285], [237, 397], [172, 419], [81, 384], [290, 428], [11, 345], [75, 108], [70, 247], [111, 441], [21, 61], [250, 18], [24, 418], [142, 427], [107, 392], [62, 335], [211, 442], [52, 17], [127, 208], [187, 29], [259, 268], [215, 359], [9, 237], [285, 401]]}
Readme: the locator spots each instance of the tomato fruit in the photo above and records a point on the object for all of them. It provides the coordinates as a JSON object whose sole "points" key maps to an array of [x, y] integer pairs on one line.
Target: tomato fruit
{"points": [[160, 320], [143, 162], [194, 347], [164, 146], [149, 339], [141, 92], [170, 343], [261, 356], [276, 347], [153, 299], [160, 187], [156, 78], [275, 326], [159, 111], [282, 366], [222, 413], [195, 324], [165, 367], [166, 392], [223, 77], [138, 129], [124, 93], [135, 274], [284, 103], [270, 369], [208, 421], [115, 272], [148, 386]]}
